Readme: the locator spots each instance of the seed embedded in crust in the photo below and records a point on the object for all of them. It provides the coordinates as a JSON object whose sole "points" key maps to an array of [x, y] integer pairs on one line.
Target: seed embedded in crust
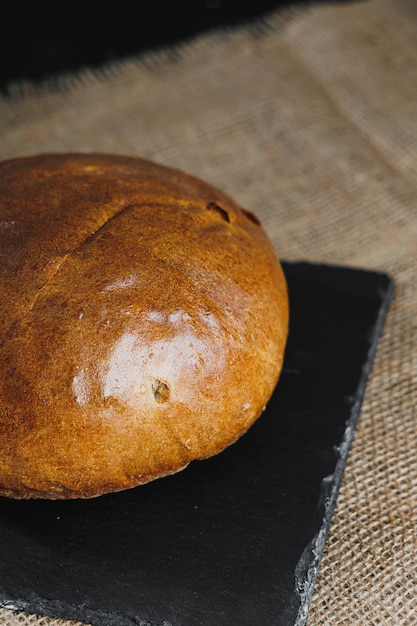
{"points": [[160, 391], [213, 206], [251, 216]]}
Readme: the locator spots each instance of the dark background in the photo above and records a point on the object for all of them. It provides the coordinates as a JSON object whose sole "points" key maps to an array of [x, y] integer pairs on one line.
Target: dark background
{"points": [[40, 39]]}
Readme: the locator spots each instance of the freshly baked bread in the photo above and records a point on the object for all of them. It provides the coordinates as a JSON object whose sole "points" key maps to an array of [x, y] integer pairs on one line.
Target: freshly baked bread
{"points": [[143, 320]]}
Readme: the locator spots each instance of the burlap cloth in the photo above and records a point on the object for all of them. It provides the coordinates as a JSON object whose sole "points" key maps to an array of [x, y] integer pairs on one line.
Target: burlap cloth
{"points": [[310, 121]]}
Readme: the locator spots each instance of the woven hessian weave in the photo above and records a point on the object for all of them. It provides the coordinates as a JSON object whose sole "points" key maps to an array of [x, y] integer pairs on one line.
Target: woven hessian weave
{"points": [[311, 122]]}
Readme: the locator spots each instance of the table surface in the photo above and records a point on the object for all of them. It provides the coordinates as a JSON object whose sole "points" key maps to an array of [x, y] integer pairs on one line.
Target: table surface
{"points": [[310, 123]]}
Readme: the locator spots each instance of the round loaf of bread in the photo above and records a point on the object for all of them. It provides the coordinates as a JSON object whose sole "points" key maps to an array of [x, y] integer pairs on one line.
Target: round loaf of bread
{"points": [[143, 321]]}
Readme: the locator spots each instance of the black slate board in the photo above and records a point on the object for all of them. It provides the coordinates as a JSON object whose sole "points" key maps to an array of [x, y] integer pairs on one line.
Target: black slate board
{"points": [[232, 541]]}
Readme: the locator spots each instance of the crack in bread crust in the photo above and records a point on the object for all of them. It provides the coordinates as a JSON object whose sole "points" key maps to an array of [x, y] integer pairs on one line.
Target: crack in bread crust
{"points": [[89, 239]]}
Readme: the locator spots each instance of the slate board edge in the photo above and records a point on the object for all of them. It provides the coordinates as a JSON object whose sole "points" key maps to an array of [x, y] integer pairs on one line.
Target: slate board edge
{"points": [[306, 577], [45, 607]]}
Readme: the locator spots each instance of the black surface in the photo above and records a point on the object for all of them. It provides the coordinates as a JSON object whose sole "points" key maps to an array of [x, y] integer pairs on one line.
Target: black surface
{"points": [[45, 38], [232, 541]]}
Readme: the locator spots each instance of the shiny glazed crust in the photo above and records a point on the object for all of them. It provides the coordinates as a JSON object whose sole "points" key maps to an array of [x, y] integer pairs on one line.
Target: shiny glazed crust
{"points": [[143, 320]]}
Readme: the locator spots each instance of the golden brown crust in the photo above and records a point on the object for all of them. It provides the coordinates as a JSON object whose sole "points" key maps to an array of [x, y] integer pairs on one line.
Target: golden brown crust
{"points": [[143, 320]]}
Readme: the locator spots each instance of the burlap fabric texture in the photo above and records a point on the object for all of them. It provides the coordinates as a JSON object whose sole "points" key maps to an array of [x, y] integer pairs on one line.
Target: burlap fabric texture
{"points": [[311, 122]]}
